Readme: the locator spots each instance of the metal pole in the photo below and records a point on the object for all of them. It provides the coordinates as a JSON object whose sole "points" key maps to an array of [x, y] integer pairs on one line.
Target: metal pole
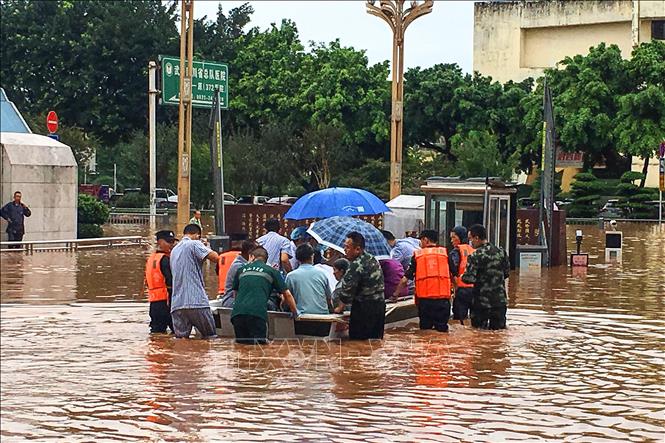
{"points": [[221, 224], [216, 162], [152, 144], [635, 23], [660, 209], [115, 177], [184, 114]]}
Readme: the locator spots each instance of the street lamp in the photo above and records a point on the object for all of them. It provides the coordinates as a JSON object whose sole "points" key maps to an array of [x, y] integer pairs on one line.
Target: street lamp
{"points": [[398, 18]]}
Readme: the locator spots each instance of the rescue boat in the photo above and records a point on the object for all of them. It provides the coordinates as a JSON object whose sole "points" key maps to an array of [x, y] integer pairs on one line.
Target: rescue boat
{"points": [[322, 326]]}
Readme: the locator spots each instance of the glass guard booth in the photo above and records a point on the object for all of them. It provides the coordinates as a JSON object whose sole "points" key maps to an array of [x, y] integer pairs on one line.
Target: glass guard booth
{"points": [[450, 202]]}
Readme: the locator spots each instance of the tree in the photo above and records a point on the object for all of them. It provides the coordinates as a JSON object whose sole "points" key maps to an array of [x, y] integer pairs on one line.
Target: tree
{"points": [[87, 60], [640, 121], [633, 198], [585, 192], [585, 90], [478, 155]]}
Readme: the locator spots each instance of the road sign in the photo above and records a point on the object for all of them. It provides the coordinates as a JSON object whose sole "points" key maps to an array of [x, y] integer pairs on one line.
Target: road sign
{"points": [[206, 77], [54, 136], [662, 150], [661, 169], [52, 122]]}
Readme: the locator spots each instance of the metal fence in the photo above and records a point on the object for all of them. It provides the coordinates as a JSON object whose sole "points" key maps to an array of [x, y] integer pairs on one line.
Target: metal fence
{"points": [[71, 245]]}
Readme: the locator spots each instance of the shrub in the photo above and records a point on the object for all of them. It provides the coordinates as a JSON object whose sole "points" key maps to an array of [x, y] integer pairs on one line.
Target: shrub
{"points": [[91, 210], [89, 230], [585, 192]]}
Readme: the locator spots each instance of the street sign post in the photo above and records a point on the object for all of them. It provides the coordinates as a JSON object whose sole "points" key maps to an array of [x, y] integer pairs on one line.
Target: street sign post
{"points": [[207, 77], [52, 122]]}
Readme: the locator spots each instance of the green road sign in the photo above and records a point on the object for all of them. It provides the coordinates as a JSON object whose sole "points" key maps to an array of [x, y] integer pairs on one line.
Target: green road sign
{"points": [[206, 77]]}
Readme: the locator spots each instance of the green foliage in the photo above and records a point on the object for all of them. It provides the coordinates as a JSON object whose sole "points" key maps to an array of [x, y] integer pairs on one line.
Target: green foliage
{"points": [[535, 191], [86, 59], [632, 198], [89, 230], [478, 155], [586, 192], [91, 210], [133, 200], [640, 122], [306, 116]]}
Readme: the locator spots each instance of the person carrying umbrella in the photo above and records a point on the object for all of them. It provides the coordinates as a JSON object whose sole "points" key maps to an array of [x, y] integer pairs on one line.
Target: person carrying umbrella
{"points": [[362, 287]]}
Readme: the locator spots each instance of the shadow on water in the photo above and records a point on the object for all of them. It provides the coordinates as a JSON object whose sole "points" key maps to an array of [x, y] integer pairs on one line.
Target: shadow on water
{"points": [[582, 359]]}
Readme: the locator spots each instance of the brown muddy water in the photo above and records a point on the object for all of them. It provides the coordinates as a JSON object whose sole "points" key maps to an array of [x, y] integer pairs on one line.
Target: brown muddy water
{"points": [[582, 360]]}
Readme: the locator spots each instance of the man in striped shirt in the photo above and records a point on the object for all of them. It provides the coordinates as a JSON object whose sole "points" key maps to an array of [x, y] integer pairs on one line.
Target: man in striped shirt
{"points": [[278, 247], [189, 303]]}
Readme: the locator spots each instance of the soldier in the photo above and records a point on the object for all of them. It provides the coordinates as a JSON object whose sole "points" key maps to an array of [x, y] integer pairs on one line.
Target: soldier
{"points": [[486, 269], [362, 286]]}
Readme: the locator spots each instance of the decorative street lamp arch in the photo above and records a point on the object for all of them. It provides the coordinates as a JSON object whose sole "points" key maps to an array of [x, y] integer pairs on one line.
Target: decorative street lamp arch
{"points": [[398, 18]]}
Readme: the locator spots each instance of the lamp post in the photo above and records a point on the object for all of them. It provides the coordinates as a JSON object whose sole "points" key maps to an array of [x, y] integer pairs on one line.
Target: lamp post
{"points": [[398, 18]]}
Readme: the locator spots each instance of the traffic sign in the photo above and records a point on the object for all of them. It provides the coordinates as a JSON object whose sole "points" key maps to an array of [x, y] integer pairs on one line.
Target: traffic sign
{"points": [[54, 136], [52, 122], [661, 170], [662, 150], [206, 78]]}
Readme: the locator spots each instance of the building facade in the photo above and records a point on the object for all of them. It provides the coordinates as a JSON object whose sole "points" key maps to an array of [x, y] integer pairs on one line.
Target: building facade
{"points": [[513, 40]]}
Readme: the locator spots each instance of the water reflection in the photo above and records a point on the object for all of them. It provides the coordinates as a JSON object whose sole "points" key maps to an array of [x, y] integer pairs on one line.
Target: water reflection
{"points": [[582, 359]]}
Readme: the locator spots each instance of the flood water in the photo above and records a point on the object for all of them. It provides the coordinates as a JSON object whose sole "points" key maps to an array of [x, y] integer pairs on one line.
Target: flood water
{"points": [[582, 360]]}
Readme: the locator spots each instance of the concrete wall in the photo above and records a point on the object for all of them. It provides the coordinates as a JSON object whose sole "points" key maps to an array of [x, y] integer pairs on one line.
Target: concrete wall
{"points": [[46, 173], [516, 40]]}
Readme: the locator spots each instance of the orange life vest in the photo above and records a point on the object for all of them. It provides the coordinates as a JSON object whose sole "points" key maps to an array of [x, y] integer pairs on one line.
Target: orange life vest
{"points": [[464, 251], [432, 273], [157, 290], [224, 262]]}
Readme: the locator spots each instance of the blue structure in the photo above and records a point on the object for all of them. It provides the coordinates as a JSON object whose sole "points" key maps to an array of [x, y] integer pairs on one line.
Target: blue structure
{"points": [[10, 119]]}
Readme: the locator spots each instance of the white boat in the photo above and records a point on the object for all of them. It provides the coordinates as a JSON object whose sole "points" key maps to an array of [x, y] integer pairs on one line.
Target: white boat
{"points": [[282, 326]]}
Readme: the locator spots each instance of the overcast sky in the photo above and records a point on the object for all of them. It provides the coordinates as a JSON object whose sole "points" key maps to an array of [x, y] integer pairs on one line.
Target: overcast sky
{"points": [[443, 36]]}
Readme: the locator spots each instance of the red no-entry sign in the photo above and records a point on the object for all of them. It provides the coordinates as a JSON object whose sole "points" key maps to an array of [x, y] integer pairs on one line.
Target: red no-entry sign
{"points": [[52, 122]]}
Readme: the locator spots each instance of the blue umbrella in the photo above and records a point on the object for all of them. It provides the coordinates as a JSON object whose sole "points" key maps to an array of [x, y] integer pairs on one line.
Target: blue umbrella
{"points": [[336, 201], [333, 231]]}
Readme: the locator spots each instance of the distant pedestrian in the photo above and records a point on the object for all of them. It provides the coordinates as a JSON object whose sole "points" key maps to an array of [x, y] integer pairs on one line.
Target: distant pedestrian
{"points": [[189, 304], [362, 287], [159, 282], [253, 284], [196, 219], [487, 268], [277, 246], [14, 213], [457, 261], [429, 268]]}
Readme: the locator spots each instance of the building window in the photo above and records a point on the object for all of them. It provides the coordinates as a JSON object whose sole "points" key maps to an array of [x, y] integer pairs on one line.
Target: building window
{"points": [[658, 30]]}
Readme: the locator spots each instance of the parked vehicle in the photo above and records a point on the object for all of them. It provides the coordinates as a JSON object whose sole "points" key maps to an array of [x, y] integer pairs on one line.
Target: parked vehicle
{"points": [[253, 200], [284, 200], [611, 210], [526, 202], [229, 199], [100, 192], [165, 198]]}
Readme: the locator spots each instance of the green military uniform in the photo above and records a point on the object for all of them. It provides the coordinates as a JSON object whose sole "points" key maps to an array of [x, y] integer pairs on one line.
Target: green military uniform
{"points": [[486, 269], [362, 286]]}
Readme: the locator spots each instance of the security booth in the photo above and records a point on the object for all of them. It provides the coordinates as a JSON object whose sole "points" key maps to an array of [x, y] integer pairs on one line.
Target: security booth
{"points": [[451, 201]]}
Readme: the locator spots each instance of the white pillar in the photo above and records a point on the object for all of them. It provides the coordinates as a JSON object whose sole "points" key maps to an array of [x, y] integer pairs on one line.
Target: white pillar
{"points": [[152, 95]]}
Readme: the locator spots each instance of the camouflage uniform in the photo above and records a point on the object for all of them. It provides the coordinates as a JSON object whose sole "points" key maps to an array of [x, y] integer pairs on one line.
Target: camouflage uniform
{"points": [[362, 286], [487, 268]]}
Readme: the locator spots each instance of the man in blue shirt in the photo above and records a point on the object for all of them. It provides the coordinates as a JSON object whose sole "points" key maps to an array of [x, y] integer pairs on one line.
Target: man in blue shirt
{"points": [[189, 302], [309, 285]]}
